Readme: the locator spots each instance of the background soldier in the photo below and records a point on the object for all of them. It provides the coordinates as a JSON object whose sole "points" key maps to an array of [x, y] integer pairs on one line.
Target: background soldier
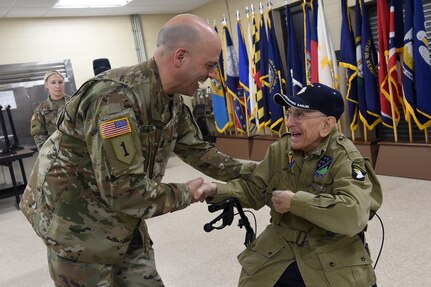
{"points": [[44, 119]]}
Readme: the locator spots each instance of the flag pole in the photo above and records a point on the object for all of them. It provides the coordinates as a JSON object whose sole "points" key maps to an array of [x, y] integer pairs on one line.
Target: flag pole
{"points": [[228, 98], [365, 133], [426, 136]]}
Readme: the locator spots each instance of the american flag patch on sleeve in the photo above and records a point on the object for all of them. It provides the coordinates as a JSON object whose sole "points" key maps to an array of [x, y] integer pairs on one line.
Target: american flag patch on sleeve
{"points": [[115, 128]]}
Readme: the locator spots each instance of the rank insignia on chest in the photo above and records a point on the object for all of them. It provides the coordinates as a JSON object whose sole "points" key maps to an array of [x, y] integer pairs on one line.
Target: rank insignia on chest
{"points": [[358, 172], [322, 166], [115, 128]]}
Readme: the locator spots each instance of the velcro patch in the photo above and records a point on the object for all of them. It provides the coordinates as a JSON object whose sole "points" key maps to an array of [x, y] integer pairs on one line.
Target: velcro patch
{"points": [[115, 128], [358, 172]]}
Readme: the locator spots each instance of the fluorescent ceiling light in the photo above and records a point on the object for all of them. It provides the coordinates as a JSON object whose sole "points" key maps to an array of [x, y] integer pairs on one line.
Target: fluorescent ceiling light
{"points": [[91, 3]]}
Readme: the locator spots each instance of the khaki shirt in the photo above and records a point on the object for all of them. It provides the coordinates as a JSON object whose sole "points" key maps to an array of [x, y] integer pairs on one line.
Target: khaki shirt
{"points": [[100, 172], [44, 119], [336, 193]]}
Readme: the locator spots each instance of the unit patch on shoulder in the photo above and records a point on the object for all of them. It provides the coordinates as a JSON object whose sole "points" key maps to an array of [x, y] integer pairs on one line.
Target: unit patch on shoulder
{"points": [[115, 128], [358, 172]]}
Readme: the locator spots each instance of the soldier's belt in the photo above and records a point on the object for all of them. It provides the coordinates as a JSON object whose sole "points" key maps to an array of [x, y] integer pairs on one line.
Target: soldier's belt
{"points": [[300, 237]]}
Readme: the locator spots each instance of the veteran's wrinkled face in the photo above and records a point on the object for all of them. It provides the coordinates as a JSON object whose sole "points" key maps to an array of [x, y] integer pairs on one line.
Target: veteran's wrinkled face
{"points": [[307, 128]]}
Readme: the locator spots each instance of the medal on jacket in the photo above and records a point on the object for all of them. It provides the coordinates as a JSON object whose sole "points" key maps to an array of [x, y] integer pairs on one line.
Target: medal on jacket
{"points": [[322, 166]]}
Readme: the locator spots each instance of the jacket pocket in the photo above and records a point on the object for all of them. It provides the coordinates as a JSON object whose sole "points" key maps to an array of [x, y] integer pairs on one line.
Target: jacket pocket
{"points": [[264, 249], [347, 263]]}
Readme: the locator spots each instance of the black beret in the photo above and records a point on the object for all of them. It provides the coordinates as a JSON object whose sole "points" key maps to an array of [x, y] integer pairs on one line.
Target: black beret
{"points": [[315, 97]]}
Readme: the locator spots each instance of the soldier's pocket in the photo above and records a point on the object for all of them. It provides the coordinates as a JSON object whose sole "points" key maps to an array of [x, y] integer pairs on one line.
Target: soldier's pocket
{"points": [[260, 252], [347, 263]]}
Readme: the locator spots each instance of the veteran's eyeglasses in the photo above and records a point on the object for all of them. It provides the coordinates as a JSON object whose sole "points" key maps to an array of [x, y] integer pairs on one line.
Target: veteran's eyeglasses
{"points": [[298, 116]]}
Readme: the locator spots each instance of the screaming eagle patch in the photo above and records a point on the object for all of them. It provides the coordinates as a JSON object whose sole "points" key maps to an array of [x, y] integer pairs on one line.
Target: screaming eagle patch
{"points": [[358, 172]]}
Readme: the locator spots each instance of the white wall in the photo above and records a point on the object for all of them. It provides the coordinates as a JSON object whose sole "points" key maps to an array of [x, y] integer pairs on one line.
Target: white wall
{"points": [[80, 39]]}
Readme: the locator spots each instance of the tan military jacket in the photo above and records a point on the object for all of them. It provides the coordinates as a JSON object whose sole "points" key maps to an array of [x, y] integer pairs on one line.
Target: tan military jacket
{"points": [[336, 193], [99, 174], [44, 119]]}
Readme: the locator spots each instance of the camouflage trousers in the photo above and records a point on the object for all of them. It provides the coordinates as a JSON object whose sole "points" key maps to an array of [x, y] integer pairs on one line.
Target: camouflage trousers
{"points": [[136, 269]]}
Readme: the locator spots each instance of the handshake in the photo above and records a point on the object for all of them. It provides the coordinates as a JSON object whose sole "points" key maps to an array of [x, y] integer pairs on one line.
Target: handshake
{"points": [[200, 190]]}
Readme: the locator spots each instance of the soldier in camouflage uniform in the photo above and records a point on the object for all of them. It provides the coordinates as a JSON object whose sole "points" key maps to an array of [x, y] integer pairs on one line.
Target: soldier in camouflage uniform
{"points": [[98, 177], [321, 192], [44, 119]]}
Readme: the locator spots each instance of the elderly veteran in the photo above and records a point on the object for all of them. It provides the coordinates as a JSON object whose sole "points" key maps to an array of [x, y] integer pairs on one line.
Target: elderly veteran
{"points": [[321, 192]]}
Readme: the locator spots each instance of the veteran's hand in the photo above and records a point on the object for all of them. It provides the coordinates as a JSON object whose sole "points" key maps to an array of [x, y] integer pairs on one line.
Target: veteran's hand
{"points": [[281, 200], [193, 186], [208, 189]]}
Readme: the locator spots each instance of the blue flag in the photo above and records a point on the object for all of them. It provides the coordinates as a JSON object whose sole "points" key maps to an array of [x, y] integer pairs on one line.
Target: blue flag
{"points": [[263, 48], [367, 93], [218, 98], [294, 79], [244, 73], [234, 90], [273, 82], [415, 53], [422, 66], [348, 61]]}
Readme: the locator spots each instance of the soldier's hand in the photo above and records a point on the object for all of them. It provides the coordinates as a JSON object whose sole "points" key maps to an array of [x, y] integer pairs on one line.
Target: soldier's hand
{"points": [[281, 200], [208, 189], [193, 186]]}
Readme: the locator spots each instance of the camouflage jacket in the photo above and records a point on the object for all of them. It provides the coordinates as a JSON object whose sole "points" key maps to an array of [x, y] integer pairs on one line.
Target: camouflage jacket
{"points": [[99, 174], [44, 119], [336, 193]]}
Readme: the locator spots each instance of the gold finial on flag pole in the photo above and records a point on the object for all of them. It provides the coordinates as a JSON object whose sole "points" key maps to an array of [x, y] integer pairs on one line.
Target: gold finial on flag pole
{"points": [[261, 7], [237, 15]]}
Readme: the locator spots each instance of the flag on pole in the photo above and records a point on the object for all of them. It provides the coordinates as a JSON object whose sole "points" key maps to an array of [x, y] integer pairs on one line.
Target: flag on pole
{"points": [[314, 43], [294, 79], [251, 101], [327, 62], [383, 39], [393, 57], [307, 41], [234, 90], [416, 68], [369, 104], [348, 61], [274, 80], [261, 75], [218, 98], [243, 63]]}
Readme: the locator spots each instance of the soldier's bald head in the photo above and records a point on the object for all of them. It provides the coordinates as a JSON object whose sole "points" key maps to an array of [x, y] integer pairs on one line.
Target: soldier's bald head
{"points": [[183, 30]]}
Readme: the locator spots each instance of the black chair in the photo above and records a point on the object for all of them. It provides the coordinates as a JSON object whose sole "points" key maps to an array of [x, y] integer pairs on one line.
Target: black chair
{"points": [[101, 65]]}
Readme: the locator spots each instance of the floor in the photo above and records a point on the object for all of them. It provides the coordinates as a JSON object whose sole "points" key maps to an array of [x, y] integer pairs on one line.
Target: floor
{"points": [[187, 256]]}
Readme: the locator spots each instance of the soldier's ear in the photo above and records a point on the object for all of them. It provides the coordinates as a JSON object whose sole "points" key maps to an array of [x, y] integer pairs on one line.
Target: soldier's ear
{"points": [[180, 55]]}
